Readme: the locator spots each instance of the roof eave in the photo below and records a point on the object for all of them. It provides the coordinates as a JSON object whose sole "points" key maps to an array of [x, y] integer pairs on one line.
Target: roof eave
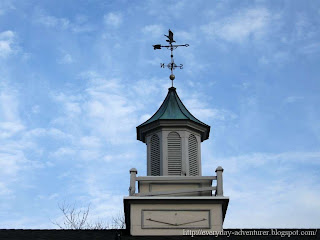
{"points": [[203, 129]]}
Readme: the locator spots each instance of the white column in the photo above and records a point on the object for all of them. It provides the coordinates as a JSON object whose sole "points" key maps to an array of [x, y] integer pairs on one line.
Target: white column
{"points": [[219, 191], [148, 155], [184, 153], [132, 188], [164, 151], [199, 154]]}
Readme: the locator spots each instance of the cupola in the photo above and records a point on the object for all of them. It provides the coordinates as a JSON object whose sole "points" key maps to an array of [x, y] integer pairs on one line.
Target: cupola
{"points": [[173, 137], [174, 197]]}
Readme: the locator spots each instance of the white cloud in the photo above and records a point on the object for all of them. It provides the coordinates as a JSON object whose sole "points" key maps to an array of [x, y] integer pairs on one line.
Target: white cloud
{"points": [[48, 197], [108, 112], [11, 163], [90, 142], [35, 109], [113, 19], [305, 28], [105, 206], [22, 222], [66, 59], [155, 30], [6, 6], [264, 60], [278, 58], [5, 189], [63, 152], [271, 203], [312, 48], [14, 167], [249, 23], [183, 35], [201, 109], [155, 61], [6, 43], [71, 105], [267, 184], [111, 113], [10, 122], [163, 11], [144, 117], [293, 99], [9, 105], [245, 162], [7, 129], [150, 87], [62, 23], [51, 21], [51, 132]]}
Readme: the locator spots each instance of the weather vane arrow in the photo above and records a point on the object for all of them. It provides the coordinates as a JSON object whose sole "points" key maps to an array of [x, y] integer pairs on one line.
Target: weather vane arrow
{"points": [[172, 66]]}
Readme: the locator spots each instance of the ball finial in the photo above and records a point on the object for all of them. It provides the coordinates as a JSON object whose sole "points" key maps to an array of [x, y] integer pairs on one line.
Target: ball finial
{"points": [[172, 77]]}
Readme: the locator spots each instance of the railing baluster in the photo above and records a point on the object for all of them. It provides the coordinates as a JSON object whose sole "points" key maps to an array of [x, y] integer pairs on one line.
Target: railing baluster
{"points": [[132, 188], [219, 191]]}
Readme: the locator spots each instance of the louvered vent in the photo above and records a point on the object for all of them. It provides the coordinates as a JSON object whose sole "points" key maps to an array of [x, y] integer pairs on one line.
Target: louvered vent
{"points": [[193, 156], [174, 154], [155, 156]]}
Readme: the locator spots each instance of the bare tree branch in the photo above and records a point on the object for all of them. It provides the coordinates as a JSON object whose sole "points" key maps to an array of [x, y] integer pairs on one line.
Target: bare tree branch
{"points": [[77, 218], [118, 221]]}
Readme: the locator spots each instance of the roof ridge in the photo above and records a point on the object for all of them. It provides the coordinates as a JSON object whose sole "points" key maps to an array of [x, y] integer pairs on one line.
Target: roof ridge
{"points": [[179, 100], [172, 108], [167, 102]]}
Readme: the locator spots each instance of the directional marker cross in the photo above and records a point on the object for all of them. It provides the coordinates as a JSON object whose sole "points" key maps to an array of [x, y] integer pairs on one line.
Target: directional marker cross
{"points": [[172, 66]]}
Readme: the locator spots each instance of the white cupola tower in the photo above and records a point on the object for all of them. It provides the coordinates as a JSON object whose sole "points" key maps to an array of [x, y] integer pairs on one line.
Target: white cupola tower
{"points": [[173, 137], [174, 197]]}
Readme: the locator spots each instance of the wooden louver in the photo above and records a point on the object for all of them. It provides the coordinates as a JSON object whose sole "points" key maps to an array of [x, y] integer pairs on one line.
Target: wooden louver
{"points": [[174, 154], [155, 156], [193, 156]]}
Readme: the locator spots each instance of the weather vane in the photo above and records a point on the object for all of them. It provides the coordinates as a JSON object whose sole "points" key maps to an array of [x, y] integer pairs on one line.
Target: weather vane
{"points": [[172, 66]]}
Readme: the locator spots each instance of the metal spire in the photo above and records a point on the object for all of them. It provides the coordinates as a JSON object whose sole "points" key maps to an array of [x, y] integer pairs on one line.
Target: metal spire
{"points": [[172, 66]]}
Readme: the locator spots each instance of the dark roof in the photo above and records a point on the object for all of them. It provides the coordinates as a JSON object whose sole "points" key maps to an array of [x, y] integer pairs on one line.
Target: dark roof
{"points": [[172, 108], [53, 234], [112, 234]]}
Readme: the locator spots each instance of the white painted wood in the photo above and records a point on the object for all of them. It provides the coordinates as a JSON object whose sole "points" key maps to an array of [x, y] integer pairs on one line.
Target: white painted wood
{"points": [[148, 155], [171, 178], [155, 155], [199, 153], [193, 156], [219, 191], [132, 188], [174, 154], [176, 191], [163, 134]]}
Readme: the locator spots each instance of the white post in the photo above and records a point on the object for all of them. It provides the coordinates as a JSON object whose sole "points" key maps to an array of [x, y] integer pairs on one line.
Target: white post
{"points": [[219, 191], [132, 188]]}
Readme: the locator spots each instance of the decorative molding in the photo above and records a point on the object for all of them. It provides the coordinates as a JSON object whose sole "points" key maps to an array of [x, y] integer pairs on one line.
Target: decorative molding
{"points": [[206, 219], [143, 131]]}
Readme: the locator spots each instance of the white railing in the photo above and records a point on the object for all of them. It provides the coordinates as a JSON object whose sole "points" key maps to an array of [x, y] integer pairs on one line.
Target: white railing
{"points": [[218, 188]]}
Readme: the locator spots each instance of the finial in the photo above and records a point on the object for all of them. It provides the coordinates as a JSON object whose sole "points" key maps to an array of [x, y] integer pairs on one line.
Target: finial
{"points": [[172, 66]]}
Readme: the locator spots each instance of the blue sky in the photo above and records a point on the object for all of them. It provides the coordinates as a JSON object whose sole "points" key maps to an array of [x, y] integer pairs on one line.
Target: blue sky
{"points": [[77, 77]]}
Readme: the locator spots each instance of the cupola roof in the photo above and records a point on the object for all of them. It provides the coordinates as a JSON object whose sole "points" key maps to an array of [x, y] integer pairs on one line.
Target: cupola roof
{"points": [[172, 108]]}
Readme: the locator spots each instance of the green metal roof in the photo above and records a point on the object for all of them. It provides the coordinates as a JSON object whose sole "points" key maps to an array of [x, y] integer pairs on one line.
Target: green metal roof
{"points": [[172, 108]]}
